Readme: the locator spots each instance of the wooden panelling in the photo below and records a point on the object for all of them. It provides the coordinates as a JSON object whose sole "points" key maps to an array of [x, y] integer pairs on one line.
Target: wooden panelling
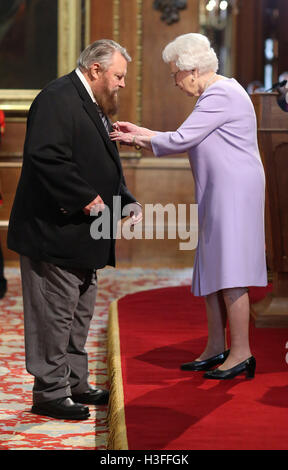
{"points": [[101, 20], [164, 106], [160, 180], [151, 99], [11, 148], [273, 143], [268, 111], [13, 139], [11, 258], [9, 176], [249, 50], [128, 31], [283, 36], [153, 254], [150, 96], [155, 182]]}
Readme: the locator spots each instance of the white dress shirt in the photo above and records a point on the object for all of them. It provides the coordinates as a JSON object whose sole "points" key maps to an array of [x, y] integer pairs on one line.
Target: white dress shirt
{"points": [[104, 118], [86, 84]]}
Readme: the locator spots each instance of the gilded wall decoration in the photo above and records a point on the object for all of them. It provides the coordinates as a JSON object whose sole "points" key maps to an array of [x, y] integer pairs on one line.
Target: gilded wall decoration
{"points": [[170, 9]]}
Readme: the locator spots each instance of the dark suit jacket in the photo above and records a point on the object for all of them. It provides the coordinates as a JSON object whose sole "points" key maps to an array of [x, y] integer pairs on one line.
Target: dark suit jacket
{"points": [[68, 160]]}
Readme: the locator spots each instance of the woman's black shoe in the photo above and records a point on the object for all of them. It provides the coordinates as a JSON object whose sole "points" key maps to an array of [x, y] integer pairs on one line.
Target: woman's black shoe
{"points": [[207, 363], [247, 366]]}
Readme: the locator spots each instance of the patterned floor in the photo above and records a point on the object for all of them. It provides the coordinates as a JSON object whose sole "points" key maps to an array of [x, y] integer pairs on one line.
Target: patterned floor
{"points": [[21, 430]]}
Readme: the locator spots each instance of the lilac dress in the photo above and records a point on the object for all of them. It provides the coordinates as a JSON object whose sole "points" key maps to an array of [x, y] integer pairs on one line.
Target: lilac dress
{"points": [[220, 136]]}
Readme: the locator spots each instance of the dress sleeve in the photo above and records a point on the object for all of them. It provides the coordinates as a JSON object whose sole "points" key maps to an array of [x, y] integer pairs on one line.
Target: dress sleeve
{"points": [[210, 113]]}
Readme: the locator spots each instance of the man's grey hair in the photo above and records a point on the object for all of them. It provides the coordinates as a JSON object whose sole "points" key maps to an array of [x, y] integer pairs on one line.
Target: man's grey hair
{"points": [[191, 51], [101, 51]]}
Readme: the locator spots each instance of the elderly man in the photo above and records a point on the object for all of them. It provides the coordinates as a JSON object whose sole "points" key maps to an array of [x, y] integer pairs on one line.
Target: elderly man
{"points": [[70, 167]]}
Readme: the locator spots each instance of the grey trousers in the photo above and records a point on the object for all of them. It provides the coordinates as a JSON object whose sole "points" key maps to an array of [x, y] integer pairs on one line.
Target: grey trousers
{"points": [[58, 308]]}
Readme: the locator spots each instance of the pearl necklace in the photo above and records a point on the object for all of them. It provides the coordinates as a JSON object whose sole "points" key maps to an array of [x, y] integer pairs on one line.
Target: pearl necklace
{"points": [[210, 81]]}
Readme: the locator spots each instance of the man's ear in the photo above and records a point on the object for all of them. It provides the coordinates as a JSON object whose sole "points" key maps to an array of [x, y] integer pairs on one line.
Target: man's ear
{"points": [[94, 70]]}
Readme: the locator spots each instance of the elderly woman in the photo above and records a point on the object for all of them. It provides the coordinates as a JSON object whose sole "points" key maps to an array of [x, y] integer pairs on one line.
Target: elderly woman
{"points": [[220, 138]]}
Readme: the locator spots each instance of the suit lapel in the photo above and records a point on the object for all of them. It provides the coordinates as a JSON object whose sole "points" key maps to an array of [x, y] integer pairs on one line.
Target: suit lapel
{"points": [[91, 110]]}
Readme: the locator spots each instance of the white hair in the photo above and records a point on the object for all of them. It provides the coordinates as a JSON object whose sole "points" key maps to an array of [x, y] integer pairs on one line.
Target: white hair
{"points": [[101, 51], [191, 51], [283, 76]]}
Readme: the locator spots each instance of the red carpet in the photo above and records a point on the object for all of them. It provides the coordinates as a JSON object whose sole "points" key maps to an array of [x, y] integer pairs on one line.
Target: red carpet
{"points": [[166, 408]]}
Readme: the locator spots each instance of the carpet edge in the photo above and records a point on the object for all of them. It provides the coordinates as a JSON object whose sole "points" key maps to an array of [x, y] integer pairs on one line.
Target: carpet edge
{"points": [[117, 439]]}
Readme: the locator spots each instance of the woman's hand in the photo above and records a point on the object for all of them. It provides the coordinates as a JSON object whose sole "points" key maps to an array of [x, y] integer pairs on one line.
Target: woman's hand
{"points": [[128, 127], [122, 126], [130, 134], [127, 138]]}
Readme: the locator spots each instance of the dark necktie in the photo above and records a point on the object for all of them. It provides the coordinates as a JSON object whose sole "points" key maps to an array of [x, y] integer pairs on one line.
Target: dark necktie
{"points": [[105, 119]]}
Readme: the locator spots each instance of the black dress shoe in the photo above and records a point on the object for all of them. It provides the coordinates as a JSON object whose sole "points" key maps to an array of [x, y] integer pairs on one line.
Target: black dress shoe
{"points": [[247, 366], [61, 408], [3, 288], [207, 363], [94, 396]]}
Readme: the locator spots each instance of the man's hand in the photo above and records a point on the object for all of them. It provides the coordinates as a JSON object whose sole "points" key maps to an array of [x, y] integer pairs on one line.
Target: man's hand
{"points": [[95, 206], [135, 211]]}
